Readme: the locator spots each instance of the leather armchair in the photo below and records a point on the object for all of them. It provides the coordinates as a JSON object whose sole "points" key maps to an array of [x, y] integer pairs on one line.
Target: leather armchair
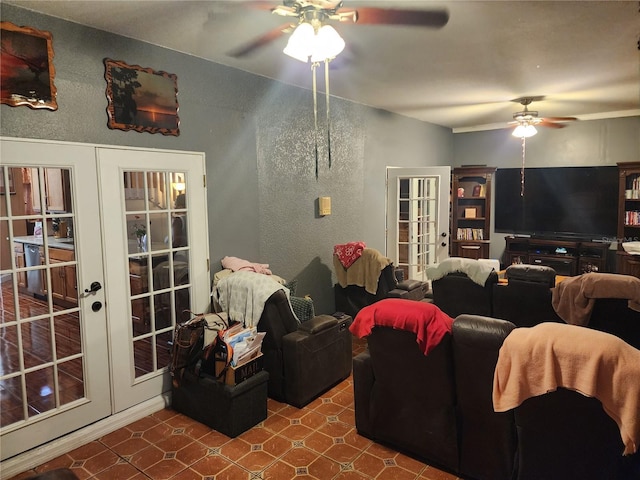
{"points": [[487, 439], [613, 315], [526, 299], [456, 294], [564, 434], [303, 360], [352, 298], [406, 399]]}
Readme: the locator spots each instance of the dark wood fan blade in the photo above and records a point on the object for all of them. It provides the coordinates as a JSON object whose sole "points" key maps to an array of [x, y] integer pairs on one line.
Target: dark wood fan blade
{"points": [[260, 41], [546, 123], [419, 18], [561, 119]]}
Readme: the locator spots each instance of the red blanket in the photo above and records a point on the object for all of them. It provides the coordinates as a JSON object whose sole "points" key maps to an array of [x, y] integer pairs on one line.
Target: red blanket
{"points": [[428, 322], [348, 253]]}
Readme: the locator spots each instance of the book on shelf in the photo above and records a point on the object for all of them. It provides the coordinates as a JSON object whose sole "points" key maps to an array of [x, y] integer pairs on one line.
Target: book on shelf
{"points": [[470, 234], [632, 217]]}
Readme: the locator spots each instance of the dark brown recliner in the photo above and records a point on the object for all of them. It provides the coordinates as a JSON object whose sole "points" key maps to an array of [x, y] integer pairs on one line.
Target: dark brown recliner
{"points": [[353, 298], [303, 359], [487, 439], [457, 294], [613, 315], [406, 399], [439, 406], [564, 434], [526, 299]]}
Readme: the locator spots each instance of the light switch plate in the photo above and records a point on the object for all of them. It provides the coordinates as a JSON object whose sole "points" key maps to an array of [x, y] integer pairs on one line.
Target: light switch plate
{"points": [[324, 206]]}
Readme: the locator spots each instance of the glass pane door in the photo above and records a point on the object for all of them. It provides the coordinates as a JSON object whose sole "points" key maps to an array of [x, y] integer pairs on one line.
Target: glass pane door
{"points": [[417, 218], [158, 268], [46, 223]]}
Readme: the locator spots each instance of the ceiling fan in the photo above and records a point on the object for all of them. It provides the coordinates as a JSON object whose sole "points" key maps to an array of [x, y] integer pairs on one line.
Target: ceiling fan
{"points": [[319, 12], [530, 118]]}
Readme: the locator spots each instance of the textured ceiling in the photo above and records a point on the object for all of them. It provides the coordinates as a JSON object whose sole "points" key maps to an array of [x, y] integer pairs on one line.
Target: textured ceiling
{"points": [[581, 56]]}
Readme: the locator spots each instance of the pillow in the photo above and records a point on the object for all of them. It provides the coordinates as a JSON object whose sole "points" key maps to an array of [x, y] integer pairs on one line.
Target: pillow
{"points": [[292, 285], [303, 308]]}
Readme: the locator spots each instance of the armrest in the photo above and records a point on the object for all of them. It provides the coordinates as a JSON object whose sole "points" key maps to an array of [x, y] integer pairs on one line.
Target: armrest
{"points": [[363, 380], [409, 285], [318, 324]]}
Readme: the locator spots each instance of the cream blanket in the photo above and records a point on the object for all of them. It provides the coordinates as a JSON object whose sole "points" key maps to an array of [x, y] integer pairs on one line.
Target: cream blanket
{"points": [[364, 272], [537, 360], [477, 271], [573, 298], [243, 295]]}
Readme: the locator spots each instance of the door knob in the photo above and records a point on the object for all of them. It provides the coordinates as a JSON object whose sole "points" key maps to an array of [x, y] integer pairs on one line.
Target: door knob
{"points": [[95, 286]]}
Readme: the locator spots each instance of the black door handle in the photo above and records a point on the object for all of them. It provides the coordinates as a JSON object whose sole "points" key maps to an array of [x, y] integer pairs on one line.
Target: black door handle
{"points": [[95, 286]]}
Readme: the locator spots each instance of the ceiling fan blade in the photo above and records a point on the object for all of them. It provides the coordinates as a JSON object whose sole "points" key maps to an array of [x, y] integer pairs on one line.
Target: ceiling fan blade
{"points": [[384, 16], [546, 123], [260, 41], [561, 119]]}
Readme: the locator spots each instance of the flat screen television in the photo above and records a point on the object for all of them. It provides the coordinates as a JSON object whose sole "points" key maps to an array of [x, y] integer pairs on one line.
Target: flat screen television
{"points": [[572, 202]]}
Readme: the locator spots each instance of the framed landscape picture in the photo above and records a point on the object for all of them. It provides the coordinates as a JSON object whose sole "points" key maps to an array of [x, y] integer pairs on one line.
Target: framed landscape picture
{"points": [[141, 99], [26, 76]]}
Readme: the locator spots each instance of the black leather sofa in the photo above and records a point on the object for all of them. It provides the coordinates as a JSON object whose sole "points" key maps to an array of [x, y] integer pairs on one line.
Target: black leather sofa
{"points": [[526, 300], [439, 408]]}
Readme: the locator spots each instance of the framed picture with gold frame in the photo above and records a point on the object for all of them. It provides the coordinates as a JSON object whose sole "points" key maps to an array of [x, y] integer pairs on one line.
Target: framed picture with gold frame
{"points": [[141, 99], [27, 73]]}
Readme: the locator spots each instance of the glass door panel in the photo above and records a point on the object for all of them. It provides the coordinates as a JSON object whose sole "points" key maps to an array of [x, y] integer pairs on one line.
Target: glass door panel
{"points": [[145, 195], [417, 218], [44, 362]]}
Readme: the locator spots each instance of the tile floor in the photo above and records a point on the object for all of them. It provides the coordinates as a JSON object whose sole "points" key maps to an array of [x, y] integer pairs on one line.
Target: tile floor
{"points": [[318, 441]]}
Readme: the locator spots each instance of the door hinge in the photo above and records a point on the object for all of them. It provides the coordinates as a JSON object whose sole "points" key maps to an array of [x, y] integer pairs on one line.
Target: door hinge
{"points": [[208, 266], [204, 181]]}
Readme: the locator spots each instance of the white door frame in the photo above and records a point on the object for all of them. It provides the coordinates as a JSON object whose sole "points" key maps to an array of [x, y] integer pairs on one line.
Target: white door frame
{"points": [[434, 231], [112, 163], [96, 404]]}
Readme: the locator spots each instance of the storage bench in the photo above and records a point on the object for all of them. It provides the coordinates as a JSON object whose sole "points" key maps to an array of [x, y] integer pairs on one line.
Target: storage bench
{"points": [[228, 409]]}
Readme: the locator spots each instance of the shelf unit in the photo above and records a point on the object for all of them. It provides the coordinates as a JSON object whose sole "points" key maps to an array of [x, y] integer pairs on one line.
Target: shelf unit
{"points": [[471, 211], [628, 216], [566, 257]]}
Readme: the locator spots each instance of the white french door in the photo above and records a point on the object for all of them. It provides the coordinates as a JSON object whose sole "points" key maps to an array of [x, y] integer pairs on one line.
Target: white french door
{"points": [[87, 309], [417, 218], [53, 350], [156, 239]]}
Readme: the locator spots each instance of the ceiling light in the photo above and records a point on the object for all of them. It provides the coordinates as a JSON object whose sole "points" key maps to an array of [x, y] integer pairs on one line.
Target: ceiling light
{"points": [[524, 130], [328, 44], [301, 42], [306, 43], [318, 43]]}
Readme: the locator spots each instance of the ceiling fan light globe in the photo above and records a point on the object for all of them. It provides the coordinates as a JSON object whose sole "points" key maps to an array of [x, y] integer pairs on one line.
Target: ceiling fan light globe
{"points": [[301, 43], [328, 44], [524, 131]]}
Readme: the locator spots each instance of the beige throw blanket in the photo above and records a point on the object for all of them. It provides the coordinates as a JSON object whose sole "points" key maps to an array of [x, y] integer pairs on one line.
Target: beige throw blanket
{"points": [[537, 360], [573, 298], [364, 272]]}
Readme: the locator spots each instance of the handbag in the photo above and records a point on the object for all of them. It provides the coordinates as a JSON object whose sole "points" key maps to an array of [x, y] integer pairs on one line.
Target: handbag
{"points": [[217, 357], [188, 341]]}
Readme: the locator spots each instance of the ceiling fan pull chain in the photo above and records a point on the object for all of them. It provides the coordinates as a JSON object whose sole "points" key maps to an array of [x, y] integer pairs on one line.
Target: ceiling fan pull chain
{"points": [[522, 168], [314, 65], [326, 81]]}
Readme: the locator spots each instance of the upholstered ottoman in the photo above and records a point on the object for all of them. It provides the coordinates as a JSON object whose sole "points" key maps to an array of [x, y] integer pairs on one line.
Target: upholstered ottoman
{"points": [[228, 409]]}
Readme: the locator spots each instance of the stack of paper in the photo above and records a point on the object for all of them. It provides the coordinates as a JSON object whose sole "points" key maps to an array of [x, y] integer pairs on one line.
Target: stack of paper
{"points": [[246, 342]]}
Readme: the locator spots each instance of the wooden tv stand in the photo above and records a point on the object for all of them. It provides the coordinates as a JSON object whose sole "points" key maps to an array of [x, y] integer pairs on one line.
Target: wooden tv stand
{"points": [[566, 257]]}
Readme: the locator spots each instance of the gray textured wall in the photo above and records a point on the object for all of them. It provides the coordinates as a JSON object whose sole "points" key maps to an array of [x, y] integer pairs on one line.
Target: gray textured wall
{"points": [[257, 135]]}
